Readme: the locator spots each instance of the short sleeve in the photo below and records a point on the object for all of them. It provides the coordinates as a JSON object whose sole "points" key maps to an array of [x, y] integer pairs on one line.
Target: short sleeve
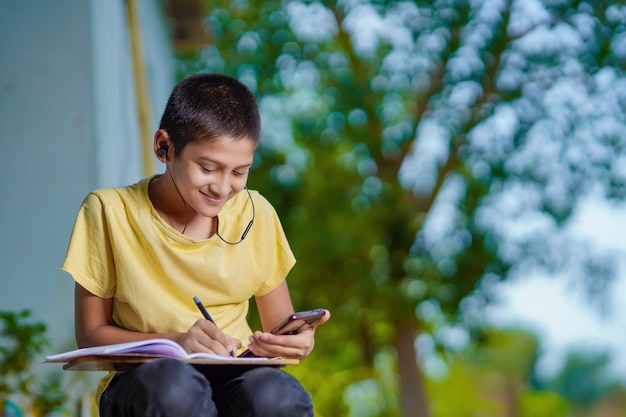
{"points": [[273, 247], [89, 257]]}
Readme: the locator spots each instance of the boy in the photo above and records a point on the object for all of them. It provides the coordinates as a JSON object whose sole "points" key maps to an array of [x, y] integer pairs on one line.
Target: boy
{"points": [[139, 254]]}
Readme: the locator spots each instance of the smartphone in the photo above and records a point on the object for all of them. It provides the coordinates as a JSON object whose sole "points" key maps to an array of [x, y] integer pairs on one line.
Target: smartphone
{"points": [[298, 322], [294, 324]]}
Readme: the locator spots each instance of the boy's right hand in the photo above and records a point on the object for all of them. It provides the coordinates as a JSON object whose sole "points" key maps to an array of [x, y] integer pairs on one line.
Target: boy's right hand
{"points": [[204, 336]]}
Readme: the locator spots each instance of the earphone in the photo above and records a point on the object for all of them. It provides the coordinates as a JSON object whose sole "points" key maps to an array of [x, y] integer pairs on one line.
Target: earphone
{"points": [[163, 152], [245, 232]]}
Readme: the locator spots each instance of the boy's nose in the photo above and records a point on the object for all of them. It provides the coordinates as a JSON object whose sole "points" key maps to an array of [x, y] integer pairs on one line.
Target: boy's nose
{"points": [[221, 186]]}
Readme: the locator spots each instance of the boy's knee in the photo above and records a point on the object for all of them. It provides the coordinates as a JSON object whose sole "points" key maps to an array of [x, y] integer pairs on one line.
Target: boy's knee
{"points": [[175, 389], [272, 392]]}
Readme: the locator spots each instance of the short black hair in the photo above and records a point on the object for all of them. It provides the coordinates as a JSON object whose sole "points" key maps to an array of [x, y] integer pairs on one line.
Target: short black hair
{"points": [[205, 106]]}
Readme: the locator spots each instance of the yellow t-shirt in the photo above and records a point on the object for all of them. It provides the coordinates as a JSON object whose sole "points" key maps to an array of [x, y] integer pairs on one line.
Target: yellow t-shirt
{"points": [[121, 248]]}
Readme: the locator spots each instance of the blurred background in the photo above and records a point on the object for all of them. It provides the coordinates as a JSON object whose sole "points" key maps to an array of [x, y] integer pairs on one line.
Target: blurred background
{"points": [[451, 175]]}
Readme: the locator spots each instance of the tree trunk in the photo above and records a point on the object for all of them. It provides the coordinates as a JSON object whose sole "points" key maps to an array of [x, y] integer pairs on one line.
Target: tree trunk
{"points": [[413, 399]]}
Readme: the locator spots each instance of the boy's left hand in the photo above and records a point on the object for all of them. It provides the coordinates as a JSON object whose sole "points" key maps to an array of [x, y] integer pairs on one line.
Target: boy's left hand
{"points": [[297, 346]]}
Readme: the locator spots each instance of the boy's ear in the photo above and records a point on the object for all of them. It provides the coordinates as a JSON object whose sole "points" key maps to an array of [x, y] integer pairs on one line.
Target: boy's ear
{"points": [[161, 143]]}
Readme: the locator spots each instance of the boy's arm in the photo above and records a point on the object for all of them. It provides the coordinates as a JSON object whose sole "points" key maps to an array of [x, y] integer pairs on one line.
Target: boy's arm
{"points": [[94, 326], [93, 322], [273, 308]]}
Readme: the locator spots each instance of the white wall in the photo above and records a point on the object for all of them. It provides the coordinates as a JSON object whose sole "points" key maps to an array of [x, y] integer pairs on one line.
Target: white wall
{"points": [[69, 124]]}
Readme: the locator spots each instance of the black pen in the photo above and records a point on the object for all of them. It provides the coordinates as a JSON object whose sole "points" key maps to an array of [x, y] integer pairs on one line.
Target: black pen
{"points": [[207, 316]]}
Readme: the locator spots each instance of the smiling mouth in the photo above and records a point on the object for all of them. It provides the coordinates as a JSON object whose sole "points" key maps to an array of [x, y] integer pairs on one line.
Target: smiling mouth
{"points": [[211, 199]]}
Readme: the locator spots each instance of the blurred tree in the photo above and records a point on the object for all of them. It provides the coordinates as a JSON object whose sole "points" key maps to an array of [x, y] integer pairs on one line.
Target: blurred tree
{"points": [[421, 150], [584, 379], [509, 356], [492, 377], [613, 405]]}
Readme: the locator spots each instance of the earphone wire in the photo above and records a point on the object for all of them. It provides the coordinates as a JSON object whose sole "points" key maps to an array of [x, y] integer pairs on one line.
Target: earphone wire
{"points": [[245, 232], [183, 200]]}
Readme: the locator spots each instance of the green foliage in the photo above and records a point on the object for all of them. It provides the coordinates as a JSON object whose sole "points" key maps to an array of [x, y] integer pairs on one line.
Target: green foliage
{"points": [[543, 404], [488, 376], [364, 391], [21, 342], [495, 376], [49, 395], [469, 398], [584, 378], [513, 352], [613, 405]]}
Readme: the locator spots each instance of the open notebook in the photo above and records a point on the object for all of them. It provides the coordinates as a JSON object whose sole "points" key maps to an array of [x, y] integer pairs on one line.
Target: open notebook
{"points": [[122, 356]]}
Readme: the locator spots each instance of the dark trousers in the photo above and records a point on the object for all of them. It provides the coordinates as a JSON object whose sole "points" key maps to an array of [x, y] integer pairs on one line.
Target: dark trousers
{"points": [[171, 388]]}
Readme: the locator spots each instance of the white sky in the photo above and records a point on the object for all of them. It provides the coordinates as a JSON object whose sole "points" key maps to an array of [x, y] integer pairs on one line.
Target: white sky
{"points": [[559, 314]]}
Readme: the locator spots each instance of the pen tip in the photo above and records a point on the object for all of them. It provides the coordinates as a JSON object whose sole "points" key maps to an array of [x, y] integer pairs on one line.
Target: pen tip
{"points": [[196, 300]]}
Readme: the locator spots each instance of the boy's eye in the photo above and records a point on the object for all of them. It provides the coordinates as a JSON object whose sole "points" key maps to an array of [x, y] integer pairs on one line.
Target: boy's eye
{"points": [[208, 170]]}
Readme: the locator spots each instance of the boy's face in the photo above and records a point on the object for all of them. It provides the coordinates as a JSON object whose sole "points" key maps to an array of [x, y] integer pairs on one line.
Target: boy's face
{"points": [[210, 172]]}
